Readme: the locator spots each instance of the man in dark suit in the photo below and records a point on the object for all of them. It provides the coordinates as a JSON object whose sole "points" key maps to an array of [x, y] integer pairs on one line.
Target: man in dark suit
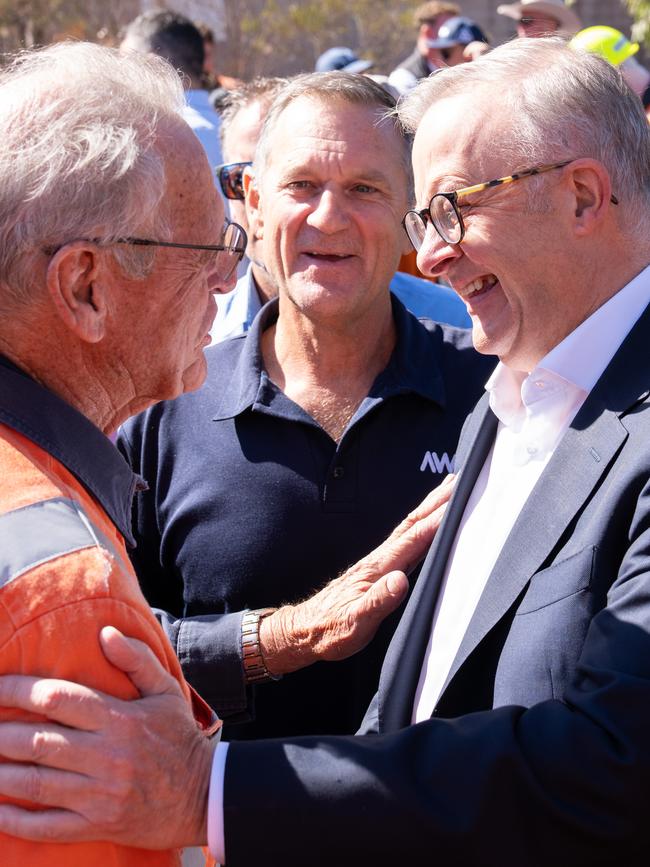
{"points": [[511, 722]]}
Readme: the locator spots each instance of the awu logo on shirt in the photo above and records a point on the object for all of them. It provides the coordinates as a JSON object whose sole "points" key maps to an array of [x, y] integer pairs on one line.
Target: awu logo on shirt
{"points": [[442, 464]]}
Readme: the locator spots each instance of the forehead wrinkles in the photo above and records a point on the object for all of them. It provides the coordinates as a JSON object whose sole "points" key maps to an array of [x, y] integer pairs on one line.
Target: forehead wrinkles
{"points": [[451, 149], [337, 123], [326, 148]]}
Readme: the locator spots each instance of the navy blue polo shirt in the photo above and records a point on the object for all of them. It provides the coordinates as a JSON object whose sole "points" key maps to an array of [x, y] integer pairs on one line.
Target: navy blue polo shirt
{"points": [[252, 504]]}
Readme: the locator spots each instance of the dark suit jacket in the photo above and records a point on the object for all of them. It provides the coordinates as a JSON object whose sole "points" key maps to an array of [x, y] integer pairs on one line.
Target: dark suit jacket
{"points": [[539, 749]]}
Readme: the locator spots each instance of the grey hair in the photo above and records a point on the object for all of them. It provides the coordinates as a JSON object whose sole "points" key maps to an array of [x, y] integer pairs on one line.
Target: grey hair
{"points": [[330, 87], [561, 104], [78, 125], [258, 90]]}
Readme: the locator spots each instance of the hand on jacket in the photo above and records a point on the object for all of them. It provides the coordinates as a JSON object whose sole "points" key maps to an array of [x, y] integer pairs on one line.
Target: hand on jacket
{"points": [[130, 772], [343, 617]]}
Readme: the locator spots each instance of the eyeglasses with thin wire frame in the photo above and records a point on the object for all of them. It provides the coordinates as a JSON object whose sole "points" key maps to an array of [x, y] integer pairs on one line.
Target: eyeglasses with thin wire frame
{"points": [[231, 179], [229, 252], [444, 214]]}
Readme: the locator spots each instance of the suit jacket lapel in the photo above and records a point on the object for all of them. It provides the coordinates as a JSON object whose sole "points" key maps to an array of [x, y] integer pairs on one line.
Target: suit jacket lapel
{"points": [[401, 669], [580, 460], [547, 514]]}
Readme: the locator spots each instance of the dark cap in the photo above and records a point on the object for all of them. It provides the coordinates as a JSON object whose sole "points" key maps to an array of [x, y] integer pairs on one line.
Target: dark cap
{"points": [[342, 59], [457, 31]]}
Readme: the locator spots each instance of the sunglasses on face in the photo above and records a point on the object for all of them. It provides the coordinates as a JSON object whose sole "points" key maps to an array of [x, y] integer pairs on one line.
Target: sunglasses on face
{"points": [[230, 177]]}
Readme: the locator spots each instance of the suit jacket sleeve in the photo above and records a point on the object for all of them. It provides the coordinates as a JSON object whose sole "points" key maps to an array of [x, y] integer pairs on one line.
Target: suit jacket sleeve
{"points": [[566, 778]]}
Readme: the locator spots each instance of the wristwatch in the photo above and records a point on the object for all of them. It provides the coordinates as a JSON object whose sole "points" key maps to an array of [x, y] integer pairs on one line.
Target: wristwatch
{"points": [[255, 670]]}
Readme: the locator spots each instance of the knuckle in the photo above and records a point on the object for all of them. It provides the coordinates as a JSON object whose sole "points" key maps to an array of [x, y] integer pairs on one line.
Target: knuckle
{"points": [[49, 698], [39, 747], [33, 783]]}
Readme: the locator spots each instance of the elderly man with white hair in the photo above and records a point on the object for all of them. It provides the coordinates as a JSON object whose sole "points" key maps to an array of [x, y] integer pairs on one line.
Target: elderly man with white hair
{"points": [[113, 244], [512, 717]]}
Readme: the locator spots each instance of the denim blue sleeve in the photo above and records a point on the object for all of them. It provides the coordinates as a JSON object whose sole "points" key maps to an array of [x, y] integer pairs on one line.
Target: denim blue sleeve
{"points": [[209, 650]]}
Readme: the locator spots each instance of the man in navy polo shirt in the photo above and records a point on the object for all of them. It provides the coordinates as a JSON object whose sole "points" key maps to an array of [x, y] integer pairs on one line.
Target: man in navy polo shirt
{"points": [[315, 433]]}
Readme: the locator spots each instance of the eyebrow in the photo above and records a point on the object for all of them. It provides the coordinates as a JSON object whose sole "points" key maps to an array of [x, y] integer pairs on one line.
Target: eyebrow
{"points": [[441, 184], [370, 176]]}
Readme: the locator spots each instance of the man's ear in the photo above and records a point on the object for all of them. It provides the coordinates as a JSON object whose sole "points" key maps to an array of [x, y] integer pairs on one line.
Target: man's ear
{"points": [[76, 290], [252, 203], [591, 190]]}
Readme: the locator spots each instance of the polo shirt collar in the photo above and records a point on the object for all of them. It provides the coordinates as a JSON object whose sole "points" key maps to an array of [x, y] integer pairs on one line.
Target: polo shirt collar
{"points": [[414, 366], [72, 439]]}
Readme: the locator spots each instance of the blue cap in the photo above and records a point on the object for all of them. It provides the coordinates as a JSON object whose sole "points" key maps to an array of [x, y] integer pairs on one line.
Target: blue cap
{"points": [[457, 31], [342, 59]]}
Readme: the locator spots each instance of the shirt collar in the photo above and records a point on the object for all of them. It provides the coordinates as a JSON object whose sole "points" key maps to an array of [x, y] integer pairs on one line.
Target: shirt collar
{"points": [[413, 367], [577, 363], [67, 435], [585, 353]]}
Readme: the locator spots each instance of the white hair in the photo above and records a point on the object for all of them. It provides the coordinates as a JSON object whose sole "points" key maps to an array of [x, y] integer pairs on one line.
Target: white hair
{"points": [[78, 125], [561, 104]]}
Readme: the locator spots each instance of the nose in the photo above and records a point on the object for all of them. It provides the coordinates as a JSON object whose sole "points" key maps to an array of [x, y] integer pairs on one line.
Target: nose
{"points": [[222, 287], [436, 255], [329, 214], [217, 284]]}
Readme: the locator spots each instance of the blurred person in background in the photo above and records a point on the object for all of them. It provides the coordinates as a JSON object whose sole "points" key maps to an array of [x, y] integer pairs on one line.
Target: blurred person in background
{"points": [[460, 40], [618, 50], [241, 122], [342, 60], [536, 18], [216, 83], [429, 17], [177, 39]]}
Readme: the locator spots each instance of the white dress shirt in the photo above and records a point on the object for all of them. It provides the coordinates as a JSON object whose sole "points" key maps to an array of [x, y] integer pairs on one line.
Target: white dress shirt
{"points": [[534, 411]]}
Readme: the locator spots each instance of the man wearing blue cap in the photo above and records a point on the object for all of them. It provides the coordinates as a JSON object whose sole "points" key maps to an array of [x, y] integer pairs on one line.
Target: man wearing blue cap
{"points": [[459, 40], [429, 18], [343, 60]]}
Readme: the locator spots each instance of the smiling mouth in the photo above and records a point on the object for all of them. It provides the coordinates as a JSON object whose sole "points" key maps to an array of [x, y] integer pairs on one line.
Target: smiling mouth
{"points": [[479, 287], [327, 257]]}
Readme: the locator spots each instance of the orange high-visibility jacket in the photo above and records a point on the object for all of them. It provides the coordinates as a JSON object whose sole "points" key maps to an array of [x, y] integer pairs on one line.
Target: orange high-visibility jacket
{"points": [[65, 573]]}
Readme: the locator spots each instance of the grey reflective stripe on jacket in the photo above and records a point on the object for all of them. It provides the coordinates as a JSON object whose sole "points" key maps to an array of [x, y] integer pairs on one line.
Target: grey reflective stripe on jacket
{"points": [[42, 531]]}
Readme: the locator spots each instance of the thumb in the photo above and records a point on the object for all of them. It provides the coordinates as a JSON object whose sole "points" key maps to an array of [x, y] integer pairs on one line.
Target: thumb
{"points": [[136, 659], [386, 595]]}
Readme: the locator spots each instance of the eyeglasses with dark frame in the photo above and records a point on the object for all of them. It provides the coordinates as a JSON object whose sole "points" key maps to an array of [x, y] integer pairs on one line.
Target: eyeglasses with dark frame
{"points": [[229, 252], [444, 214], [231, 180]]}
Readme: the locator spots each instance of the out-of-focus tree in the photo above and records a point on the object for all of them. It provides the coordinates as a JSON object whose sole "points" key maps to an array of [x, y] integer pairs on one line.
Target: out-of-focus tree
{"points": [[273, 37], [640, 11], [26, 23], [262, 37]]}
